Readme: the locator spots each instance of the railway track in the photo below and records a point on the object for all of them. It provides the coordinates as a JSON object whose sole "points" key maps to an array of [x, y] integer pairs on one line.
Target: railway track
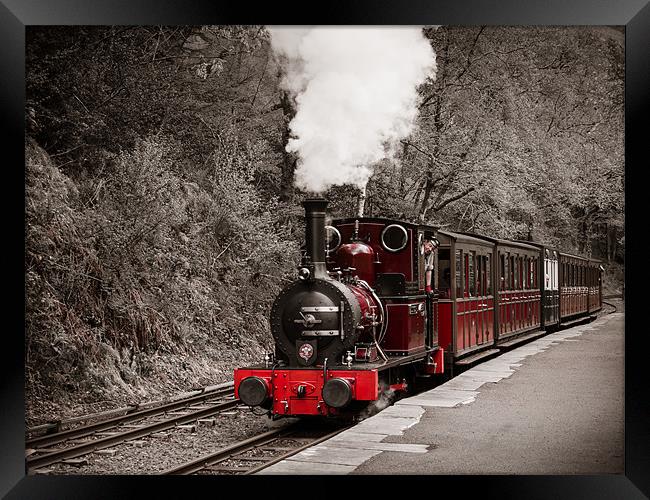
{"points": [[70, 444], [254, 454]]}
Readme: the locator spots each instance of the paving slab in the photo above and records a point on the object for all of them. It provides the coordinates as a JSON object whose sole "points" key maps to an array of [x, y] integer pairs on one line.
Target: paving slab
{"points": [[465, 383], [385, 425], [437, 401], [354, 435], [334, 454], [292, 468], [397, 412], [369, 445]]}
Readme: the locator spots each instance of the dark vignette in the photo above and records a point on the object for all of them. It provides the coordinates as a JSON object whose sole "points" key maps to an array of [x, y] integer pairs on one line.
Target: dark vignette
{"points": [[16, 14]]}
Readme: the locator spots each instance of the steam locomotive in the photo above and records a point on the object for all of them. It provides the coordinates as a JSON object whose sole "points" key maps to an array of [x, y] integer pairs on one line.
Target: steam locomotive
{"points": [[380, 303]]}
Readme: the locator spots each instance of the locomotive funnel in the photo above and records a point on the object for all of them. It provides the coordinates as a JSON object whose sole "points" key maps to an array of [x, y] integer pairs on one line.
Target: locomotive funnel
{"points": [[315, 234]]}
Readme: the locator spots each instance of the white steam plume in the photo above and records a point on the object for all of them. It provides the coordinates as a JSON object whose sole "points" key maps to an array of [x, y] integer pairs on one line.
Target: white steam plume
{"points": [[355, 92]]}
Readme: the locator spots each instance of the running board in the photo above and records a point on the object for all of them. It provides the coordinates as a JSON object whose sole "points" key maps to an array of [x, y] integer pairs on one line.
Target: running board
{"points": [[473, 359], [523, 338]]}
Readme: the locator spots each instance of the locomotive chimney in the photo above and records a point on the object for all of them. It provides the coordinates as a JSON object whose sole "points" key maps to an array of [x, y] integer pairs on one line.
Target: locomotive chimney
{"points": [[315, 234]]}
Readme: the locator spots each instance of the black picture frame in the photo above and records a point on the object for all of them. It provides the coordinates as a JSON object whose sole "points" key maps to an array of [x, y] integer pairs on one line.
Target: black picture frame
{"points": [[15, 15]]}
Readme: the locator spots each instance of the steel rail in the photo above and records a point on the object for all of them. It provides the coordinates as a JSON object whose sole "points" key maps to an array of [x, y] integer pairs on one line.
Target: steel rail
{"points": [[254, 470], [225, 453], [231, 452], [98, 444], [58, 424], [87, 430]]}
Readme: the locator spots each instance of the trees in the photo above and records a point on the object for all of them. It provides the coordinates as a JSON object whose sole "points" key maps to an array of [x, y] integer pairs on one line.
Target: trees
{"points": [[520, 133]]}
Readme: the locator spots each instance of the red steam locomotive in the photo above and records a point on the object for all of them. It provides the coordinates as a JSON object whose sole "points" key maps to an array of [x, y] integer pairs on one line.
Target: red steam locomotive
{"points": [[379, 302]]}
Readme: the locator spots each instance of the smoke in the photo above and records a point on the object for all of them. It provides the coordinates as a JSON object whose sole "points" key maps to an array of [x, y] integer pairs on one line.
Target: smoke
{"points": [[356, 96], [387, 397]]}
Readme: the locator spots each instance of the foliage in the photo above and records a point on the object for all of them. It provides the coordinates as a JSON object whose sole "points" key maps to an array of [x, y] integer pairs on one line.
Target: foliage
{"points": [[520, 135]]}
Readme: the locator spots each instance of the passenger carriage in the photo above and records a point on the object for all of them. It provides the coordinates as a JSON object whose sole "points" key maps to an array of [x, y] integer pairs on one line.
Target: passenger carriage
{"points": [[518, 290], [580, 287], [466, 304], [549, 285]]}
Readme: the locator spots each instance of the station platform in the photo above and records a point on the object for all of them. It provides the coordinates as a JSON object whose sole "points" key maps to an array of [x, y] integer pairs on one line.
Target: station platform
{"points": [[552, 406]]}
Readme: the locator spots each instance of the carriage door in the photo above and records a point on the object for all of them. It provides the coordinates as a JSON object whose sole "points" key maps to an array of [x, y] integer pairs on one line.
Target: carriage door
{"points": [[486, 302], [555, 279], [471, 303]]}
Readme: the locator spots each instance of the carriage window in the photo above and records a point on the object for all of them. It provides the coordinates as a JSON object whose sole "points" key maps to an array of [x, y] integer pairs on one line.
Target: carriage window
{"points": [[516, 272], [484, 276], [488, 275], [553, 278], [505, 275], [466, 272], [547, 273], [513, 273], [532, 263], [565, 274], [525, 270], [579, 274], [471, 271], [574, 274], [459, 274], [444, 274], [582, 275]]}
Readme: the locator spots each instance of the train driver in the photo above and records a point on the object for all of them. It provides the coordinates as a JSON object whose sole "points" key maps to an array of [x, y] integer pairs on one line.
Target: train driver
{"points": [[429, 247]]}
